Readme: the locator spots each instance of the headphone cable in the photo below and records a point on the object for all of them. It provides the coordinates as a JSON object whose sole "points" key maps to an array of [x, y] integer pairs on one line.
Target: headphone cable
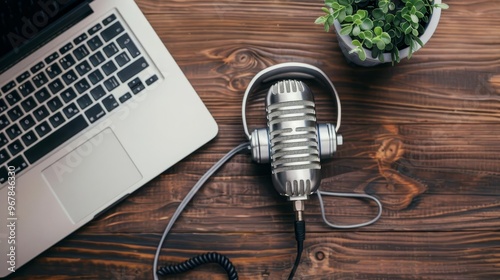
{"points": [[189, 196]]}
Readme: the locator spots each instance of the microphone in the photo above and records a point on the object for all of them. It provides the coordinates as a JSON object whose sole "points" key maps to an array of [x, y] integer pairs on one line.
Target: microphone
{"points": [[293, 142]]}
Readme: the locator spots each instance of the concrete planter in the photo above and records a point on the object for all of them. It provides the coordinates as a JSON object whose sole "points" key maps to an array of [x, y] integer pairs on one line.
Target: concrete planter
{"points": [[346, 45]]}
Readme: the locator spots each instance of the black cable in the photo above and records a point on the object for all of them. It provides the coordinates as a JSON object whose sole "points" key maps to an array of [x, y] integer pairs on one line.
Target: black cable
{"points": [[300, 236], [194, 262]]}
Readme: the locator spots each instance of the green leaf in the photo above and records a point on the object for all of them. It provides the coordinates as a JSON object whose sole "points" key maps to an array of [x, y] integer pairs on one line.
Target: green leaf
{"points": [[381, 45], [414, 32], [414, 18], [320, 20], [362, 54], [378, 13], [346, 30], [442, 6], [385, 37], [377, 30], [326, 10], [368, 34], [362, 14], [356, 43], [356, 30], [367, 24]]}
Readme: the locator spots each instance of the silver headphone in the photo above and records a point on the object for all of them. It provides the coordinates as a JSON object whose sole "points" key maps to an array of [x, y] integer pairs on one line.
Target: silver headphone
{"points": [[292, 141]]}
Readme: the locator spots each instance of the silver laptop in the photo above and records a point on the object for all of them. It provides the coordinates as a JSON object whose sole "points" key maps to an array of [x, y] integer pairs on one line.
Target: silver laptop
{"points": [[92, 106]]}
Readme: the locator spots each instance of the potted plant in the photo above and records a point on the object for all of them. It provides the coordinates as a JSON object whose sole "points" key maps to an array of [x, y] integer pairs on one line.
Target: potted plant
{"points": [[372, 32]]}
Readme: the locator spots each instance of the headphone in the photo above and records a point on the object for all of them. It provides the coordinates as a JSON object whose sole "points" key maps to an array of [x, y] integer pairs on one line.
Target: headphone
{"points": [[293, 142]]}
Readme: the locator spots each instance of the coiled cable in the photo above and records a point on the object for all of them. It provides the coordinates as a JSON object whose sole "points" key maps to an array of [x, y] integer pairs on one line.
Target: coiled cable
{"points": [[194, 262]]}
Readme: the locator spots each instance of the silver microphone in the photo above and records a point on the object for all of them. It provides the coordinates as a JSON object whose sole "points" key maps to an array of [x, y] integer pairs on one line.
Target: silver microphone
{"points": [[293, 142]]}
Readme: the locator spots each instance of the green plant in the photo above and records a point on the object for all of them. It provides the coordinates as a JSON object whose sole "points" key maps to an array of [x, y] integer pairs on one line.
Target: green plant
{"points": [[380, 25]]}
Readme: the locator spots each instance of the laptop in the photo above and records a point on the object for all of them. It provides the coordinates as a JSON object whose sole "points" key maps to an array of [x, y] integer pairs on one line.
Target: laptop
{"points": [[92, 107]]}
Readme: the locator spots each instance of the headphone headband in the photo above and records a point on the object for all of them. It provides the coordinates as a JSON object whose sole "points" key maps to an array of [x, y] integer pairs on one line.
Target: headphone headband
{"points": [[287, 70]]}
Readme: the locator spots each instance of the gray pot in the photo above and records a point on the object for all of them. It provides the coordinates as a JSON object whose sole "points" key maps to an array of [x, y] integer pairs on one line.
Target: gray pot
{"points": [[346, 45]]}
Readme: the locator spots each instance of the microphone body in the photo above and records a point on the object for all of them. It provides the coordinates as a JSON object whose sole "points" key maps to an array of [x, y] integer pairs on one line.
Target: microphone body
{"points": [[293, 142]]}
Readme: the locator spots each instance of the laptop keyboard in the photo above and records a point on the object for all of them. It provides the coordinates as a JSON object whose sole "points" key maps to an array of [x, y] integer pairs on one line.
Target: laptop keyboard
{"points": [[68, 91]]}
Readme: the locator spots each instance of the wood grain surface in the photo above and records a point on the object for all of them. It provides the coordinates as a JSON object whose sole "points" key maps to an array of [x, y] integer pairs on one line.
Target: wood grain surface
{"points": [[422, 136]]}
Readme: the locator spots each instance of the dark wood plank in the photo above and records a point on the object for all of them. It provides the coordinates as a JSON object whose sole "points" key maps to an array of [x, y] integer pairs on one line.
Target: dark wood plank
{"points": [[336, 255]]}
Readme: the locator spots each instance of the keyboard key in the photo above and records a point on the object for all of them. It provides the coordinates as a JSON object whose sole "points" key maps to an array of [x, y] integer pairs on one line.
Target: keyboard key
{"points": [[109, 19], [94, 43], [126, 43], [26, 88], [41, 113], [13, 97], [66, 48], [97, 92], [51, 58], [15, 147], [19, 163], [83, 68], [81, 52], [69, 77], [29, 104], [67, 61], [122, 59], [110, 103], [82, 85], [54, 104], [4, 174], [133, 69], [3, 106], [15, 113], [55, 86], [97, 58], [110, 50], [56, 120], [95, 113], [13, 131], [95, 77], [23, 77], [40, 79], [125, 97], [136, 86], [84, 101], [27, 122], [4, 122], [37, 67], [109, 67], [55, 139], [78, 40], [53, 70], [71, 110], [68, 94], [43, 129], [3, 140], [112, 31], [4, 156], [29, 138], [111, 83], [95, 28], [10, 85], [151, 80]]}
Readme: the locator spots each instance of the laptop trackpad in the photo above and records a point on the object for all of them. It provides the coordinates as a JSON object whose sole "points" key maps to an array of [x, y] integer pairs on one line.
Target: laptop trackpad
{"points": [[91, 175]]}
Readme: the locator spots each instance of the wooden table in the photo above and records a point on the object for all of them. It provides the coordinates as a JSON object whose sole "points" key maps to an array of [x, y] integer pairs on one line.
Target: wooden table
{"points": [[422, 136]]}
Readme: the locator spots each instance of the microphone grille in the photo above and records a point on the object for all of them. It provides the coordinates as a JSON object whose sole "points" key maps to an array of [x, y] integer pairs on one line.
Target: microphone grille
{"points": [[292, 129]]}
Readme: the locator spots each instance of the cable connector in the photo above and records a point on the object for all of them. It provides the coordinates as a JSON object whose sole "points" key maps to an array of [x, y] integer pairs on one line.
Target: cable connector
{"points": [[298, 207]]}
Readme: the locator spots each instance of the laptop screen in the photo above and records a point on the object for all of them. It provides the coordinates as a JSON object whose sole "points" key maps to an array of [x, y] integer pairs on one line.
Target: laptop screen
{"points": [[25, 21]]}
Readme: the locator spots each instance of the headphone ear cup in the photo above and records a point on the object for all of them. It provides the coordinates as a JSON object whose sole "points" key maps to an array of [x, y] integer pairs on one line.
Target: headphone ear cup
{"points": [[259, 142], [328, 140]]}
